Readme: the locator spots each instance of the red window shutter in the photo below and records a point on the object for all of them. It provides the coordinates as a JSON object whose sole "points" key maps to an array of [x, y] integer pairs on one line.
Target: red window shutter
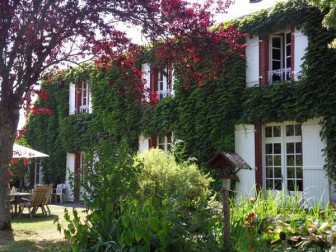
{"points": [[77, 173], [258, 156], [170, 77], [78, 98], [77, 162], [264, 60], [153, 80], [152, 143], [292, 53]]}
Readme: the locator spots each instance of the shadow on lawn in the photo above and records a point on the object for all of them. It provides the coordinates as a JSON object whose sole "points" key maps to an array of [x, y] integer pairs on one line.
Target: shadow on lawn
{"points": [[25, 218], [7, 243]]}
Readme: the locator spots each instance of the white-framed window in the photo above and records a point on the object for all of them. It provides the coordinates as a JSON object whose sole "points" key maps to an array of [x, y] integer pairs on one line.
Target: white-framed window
{"points": [[282, 157], [38, 172], [165, 142], [164, 83], [280, 63], [84, 97]]}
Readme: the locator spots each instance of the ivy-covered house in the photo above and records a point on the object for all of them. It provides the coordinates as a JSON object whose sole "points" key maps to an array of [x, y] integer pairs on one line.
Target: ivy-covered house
{"points": [[282, 124], [283, 143], [275, 108], [80, 102], [288, 154]]}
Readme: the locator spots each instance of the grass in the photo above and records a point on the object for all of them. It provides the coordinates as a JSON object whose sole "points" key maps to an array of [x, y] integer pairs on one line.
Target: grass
{"points": [[36, 234]]}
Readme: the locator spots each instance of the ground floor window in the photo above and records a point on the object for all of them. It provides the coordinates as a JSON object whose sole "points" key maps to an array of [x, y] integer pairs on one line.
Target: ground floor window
{"points": [[38, 168], [282, 157], [165, 142]]}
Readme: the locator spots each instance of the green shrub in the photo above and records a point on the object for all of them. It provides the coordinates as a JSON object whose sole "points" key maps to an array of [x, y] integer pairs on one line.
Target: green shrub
{"points": [[183, 194], [149, 203]]}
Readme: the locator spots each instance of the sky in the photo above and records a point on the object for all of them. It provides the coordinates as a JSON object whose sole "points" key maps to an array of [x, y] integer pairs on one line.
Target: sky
{"points": [[244, 7], [236, 10]]}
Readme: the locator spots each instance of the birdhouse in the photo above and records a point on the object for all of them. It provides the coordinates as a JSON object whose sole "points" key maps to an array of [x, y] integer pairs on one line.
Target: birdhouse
{"points": [[227, 164]]}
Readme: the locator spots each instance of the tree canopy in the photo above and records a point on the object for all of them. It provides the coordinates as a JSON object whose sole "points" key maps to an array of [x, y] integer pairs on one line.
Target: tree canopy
{"points": [[329, 20]]}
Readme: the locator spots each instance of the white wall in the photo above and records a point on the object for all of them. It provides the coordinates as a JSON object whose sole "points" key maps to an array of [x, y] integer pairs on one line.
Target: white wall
{"points": [[315, 181], [245, 147], [70, 169]]}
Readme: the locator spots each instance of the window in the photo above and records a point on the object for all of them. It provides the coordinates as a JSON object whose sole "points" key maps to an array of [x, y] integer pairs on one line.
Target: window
{"points": [[38, 169], [161, 83], [84, 100], [165, 142], [280, 57], [84, 108], [282, 157]]}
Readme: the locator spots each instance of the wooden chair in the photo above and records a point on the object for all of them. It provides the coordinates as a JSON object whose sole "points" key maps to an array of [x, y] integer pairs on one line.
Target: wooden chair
{"points": [[47, 199], [35, 203]]}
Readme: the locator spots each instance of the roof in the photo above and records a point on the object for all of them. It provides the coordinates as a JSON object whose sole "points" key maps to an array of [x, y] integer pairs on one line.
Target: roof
{"points": [[223, 159]]}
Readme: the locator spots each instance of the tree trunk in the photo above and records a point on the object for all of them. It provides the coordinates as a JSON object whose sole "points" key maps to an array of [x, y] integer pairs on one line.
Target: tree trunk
{"points": [[9, 118]]}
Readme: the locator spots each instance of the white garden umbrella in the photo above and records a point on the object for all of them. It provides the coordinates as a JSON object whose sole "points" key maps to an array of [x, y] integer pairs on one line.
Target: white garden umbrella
{"points": [[20, 151]]}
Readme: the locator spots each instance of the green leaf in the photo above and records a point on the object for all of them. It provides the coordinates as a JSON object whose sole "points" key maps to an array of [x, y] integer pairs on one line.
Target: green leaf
{"points": [[139, 232], [154, 223], [126, 220]]}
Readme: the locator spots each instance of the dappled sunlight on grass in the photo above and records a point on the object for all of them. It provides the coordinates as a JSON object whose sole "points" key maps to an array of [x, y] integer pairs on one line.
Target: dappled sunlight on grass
{"points": [[37, 233]]}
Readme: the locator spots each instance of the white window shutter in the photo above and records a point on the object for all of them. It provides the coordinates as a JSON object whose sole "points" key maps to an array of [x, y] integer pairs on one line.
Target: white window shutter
{"points": [[245, 147], [70, 169], [72, 98], [300, 45], [90, 99], [252, 60], [315, 181]]}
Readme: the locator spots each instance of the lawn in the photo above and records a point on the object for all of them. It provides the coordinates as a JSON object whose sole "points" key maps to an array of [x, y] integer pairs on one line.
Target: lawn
{"points": [[36, 234]]}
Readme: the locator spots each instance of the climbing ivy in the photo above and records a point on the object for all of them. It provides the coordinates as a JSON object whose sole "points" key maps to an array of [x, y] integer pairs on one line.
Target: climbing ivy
{"points": [[43, 131], [202, 115]]}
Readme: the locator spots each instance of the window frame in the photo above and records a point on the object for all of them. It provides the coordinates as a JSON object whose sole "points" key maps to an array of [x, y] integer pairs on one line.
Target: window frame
{"points": [[283, 139], [285, 70], [165, 142]]}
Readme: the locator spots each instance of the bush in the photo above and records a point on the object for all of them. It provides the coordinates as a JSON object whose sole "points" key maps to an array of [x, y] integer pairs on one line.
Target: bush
{"points": [[152, 204], [182, 195]]}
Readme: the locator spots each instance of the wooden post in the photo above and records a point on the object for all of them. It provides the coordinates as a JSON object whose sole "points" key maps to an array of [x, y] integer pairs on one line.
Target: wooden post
{"points": [[226, 211]]}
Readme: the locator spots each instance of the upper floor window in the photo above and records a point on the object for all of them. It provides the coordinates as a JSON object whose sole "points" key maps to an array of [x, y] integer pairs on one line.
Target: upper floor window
{"points": [[274, 57], [80, 98], [161, 83], [280, 57], [83, 90]]}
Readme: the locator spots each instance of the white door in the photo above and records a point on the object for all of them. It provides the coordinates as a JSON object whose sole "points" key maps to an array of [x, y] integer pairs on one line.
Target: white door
{"points": [[282, 157]]}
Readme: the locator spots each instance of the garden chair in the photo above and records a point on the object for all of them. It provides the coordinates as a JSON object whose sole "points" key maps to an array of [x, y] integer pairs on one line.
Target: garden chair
{"points": [[35, 203], [46, 200], [59, 192]]}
